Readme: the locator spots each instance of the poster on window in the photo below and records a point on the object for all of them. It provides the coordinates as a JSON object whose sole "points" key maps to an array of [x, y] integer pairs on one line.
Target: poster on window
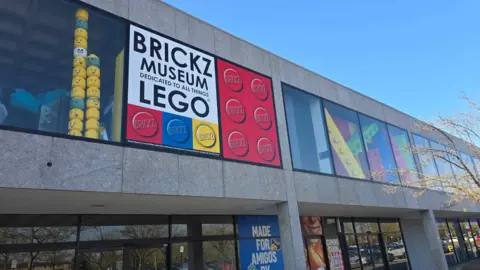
{"points": [[247, 113], [172, 94], [263, 249], [335, 257]]}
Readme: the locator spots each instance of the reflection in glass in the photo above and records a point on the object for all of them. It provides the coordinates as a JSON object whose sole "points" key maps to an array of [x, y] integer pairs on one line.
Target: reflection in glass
{"points": [[306, 131], [36, 81], [379, 150], [179, 256], [396, 248], [37, 235], [347, 146], [102, 260], [469, 239], [364, 227], [403, 155], [219, 254], [217, 229], [457, 241], [447, 244], [355, 260], [59, 259], [148, 259], [427, 161], [443, 165], [91, 233]]}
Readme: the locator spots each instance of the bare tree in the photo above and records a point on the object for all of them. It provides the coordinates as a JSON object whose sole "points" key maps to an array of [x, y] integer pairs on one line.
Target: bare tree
{"points": [[458, 173]]}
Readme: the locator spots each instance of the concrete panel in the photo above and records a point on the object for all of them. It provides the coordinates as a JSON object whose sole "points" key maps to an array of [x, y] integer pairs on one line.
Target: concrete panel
{"points": [[238, 50], [328, 90], [258, 59], [415, 240], [150, 172], [272, 184], [200, 35], [291, 74], [306, 188], [241, 181], [327, 187], [78, 165], [367, 106], [344, 96], [222, 44], [181, 26], [410, 199], [280, 113], [200, 177], [117, 7], [312, 82], [367, 193], [153, 14], [348, 194], [24, 159], [291, 234]]}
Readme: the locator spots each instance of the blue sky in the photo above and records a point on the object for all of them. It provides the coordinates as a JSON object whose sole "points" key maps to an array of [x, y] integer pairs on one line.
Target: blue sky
{"points": [[414, 55]]}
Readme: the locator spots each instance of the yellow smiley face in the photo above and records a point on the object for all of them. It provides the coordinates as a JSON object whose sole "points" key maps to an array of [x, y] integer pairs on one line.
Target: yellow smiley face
{"points": [[80, 61], [80, 32], [93, 103], [92, 124], [78, 82], [76, 114], [93, 71], [93, 92], [78, 92], [80, 42], [82, 14], [75, 124], [79, 71], [93, 81], [93, 113]]}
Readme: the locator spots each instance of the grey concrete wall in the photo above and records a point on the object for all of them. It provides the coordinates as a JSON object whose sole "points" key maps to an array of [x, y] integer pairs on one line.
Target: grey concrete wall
{"points": [[423, 242]]}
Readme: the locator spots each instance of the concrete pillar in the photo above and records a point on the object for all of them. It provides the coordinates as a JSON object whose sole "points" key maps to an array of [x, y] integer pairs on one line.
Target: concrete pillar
{"points": [[422, 235], [195, 249], [290, 229]]}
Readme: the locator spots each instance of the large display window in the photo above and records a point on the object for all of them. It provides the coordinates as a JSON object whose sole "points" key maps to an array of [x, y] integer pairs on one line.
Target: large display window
{"points": [[346, 140], [379, 150], [427, 162], [403, 155], [444, 167], [61, 69], [306, 131], [140, 242]]}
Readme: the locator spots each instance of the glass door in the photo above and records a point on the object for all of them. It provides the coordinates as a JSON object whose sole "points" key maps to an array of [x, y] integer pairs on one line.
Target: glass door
{"points": [[371, 249], [146, 258]]}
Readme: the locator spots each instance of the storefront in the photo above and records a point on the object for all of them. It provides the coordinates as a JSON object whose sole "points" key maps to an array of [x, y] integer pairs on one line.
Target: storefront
{"points": [[139, 242], [460, 239]]}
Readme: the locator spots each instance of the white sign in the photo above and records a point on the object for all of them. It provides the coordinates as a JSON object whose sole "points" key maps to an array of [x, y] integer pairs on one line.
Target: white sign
{"points": [[167, 76], [14, 264], [334, 254]]}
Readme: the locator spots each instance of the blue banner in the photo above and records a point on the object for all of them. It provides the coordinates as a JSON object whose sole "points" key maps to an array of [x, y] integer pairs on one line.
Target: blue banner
{"points": [[260, 253]]}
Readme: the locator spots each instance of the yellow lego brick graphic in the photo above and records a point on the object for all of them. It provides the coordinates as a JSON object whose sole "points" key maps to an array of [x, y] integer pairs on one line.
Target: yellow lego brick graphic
{"points": [[341, 148], [205, 136]]}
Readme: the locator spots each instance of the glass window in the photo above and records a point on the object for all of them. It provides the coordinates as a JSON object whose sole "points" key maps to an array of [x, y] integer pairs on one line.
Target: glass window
{"points": [[347, 146], [37, 235], [58, 259], [364, 227], [146, 258], [469, 239], [389, 227], [316, 253], [123, 227], [423, 148], [52, 55], [443, 164], [219, 255], [355, 260], [379, 150], [306, 131], [403, 155], [458, 241], [447, 243]]}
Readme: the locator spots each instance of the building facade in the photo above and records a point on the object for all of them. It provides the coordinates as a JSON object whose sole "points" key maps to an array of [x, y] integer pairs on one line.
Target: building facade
{"points": [[163, 142]]}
